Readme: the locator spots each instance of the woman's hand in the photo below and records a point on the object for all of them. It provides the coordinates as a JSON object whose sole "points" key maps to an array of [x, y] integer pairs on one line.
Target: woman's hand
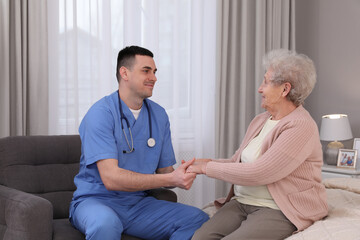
{"points": [[199, 166]]}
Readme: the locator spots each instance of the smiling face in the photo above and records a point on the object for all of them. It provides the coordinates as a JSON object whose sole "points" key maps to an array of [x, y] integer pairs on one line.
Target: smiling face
{"points": [[272, 95], [141, 77]]}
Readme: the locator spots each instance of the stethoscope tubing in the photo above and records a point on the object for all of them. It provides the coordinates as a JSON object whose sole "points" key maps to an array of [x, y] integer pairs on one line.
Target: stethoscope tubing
{"points": [[150, 141]]}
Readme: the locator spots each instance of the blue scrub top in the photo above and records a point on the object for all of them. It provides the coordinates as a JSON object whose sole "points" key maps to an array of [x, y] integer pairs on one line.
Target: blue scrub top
{"points": [[102, 138]]}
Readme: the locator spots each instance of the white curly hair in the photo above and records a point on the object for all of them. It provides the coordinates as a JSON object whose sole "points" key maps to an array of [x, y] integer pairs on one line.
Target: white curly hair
{"points": [[296, 69]]}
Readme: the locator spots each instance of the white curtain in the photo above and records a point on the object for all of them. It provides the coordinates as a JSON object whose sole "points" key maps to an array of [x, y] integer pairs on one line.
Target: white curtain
{"points": [[84, 39]]}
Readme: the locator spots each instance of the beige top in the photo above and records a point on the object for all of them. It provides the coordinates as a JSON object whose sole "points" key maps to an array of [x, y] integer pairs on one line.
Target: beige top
{"points": [[255, 195]]}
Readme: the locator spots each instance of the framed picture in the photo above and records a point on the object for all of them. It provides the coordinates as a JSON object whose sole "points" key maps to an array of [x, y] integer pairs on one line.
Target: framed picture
{"points": [[347, 158], [357, 144]]}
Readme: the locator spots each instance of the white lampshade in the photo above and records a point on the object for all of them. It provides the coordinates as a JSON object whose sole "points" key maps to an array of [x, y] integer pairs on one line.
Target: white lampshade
{"points": [[335, 127]]}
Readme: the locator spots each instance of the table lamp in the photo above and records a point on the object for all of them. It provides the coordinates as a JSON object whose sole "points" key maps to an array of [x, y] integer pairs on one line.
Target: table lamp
{"points": [[334, 128]]}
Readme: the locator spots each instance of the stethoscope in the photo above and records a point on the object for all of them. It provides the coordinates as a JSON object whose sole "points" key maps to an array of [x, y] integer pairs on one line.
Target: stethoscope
{"points": [[150, 142]]}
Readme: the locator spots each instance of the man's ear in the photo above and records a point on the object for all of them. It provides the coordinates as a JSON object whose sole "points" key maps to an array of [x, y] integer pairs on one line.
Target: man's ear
{"points": [[123, 71], [287, 88]]}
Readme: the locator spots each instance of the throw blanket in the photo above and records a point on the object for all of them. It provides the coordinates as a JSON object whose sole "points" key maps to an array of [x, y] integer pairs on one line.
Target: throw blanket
{"points": [[343, 221]]}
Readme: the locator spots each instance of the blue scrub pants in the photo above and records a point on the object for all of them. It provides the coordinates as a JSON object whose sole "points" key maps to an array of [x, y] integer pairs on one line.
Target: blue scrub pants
{"points": [[149, 218]]}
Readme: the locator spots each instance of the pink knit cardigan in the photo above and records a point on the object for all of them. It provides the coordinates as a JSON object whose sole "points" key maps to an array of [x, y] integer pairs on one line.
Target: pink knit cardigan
{"points": [[289, 164]]}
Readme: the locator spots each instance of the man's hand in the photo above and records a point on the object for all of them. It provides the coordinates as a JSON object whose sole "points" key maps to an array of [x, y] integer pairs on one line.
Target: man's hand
{"points": [[181, 178], [119, 179]]}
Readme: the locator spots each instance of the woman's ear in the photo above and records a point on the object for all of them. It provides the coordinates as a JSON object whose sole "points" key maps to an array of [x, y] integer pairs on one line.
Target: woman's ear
{"points": [[287, 88]]}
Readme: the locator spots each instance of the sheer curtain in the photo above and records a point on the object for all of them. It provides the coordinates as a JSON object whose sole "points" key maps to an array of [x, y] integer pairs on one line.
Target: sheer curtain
{"points": [[84, 39]]}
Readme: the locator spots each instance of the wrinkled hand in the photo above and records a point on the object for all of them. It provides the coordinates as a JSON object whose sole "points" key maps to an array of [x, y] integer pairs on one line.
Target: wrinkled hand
{"points": [[199, 167], [183, 179]]}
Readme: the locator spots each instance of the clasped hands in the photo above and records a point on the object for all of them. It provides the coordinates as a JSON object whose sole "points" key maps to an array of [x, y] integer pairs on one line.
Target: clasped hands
{"points": [[187, 171], [197, 166]]}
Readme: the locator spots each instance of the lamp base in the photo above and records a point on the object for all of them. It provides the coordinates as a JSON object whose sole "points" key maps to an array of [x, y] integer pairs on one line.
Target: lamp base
{"points": [[331, 152]]}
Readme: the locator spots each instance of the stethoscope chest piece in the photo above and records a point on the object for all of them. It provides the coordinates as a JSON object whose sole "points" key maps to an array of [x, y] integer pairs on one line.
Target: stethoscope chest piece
{"points": [[151, 142]]}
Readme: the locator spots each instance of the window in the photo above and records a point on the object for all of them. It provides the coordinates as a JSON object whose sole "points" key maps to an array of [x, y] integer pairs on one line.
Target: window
{"points": [[84, 40]]}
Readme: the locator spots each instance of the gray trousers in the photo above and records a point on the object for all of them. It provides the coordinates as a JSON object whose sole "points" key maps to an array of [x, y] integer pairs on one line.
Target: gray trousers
{"points": [[237, 221]]}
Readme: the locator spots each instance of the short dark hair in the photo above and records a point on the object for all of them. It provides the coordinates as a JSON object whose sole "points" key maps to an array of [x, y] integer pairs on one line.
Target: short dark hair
{"points": [[126, 57]]}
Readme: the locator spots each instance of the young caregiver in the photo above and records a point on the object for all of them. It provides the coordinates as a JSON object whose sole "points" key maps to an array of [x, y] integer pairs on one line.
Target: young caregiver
{"points": [[126, 150]]}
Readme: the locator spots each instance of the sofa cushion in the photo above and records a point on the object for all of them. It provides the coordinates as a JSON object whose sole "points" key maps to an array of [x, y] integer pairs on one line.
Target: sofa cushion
{"points": [[42, 165], [63, 230]]}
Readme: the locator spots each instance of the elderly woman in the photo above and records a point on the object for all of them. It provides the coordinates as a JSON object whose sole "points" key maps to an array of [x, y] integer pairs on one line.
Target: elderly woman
{"points": [[276, 172]]}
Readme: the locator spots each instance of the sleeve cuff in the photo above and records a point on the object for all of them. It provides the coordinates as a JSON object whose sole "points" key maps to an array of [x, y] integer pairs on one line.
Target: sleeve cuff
{"points": [[98, 157]]}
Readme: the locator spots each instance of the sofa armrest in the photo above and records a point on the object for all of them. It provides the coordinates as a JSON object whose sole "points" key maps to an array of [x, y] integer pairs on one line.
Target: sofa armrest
{"points": [[25, 216], [163, 194]]}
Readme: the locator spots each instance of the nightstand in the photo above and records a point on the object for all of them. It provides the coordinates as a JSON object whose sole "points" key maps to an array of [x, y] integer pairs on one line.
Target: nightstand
{"points": [[329, 171]]}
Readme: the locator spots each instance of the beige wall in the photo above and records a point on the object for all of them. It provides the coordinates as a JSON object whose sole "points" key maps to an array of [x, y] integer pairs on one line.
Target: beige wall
{"points": [[328, 31]]}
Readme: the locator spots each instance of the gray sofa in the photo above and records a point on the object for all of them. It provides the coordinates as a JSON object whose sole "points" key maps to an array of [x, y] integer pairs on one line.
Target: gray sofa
{"points": [[36, 187]]}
